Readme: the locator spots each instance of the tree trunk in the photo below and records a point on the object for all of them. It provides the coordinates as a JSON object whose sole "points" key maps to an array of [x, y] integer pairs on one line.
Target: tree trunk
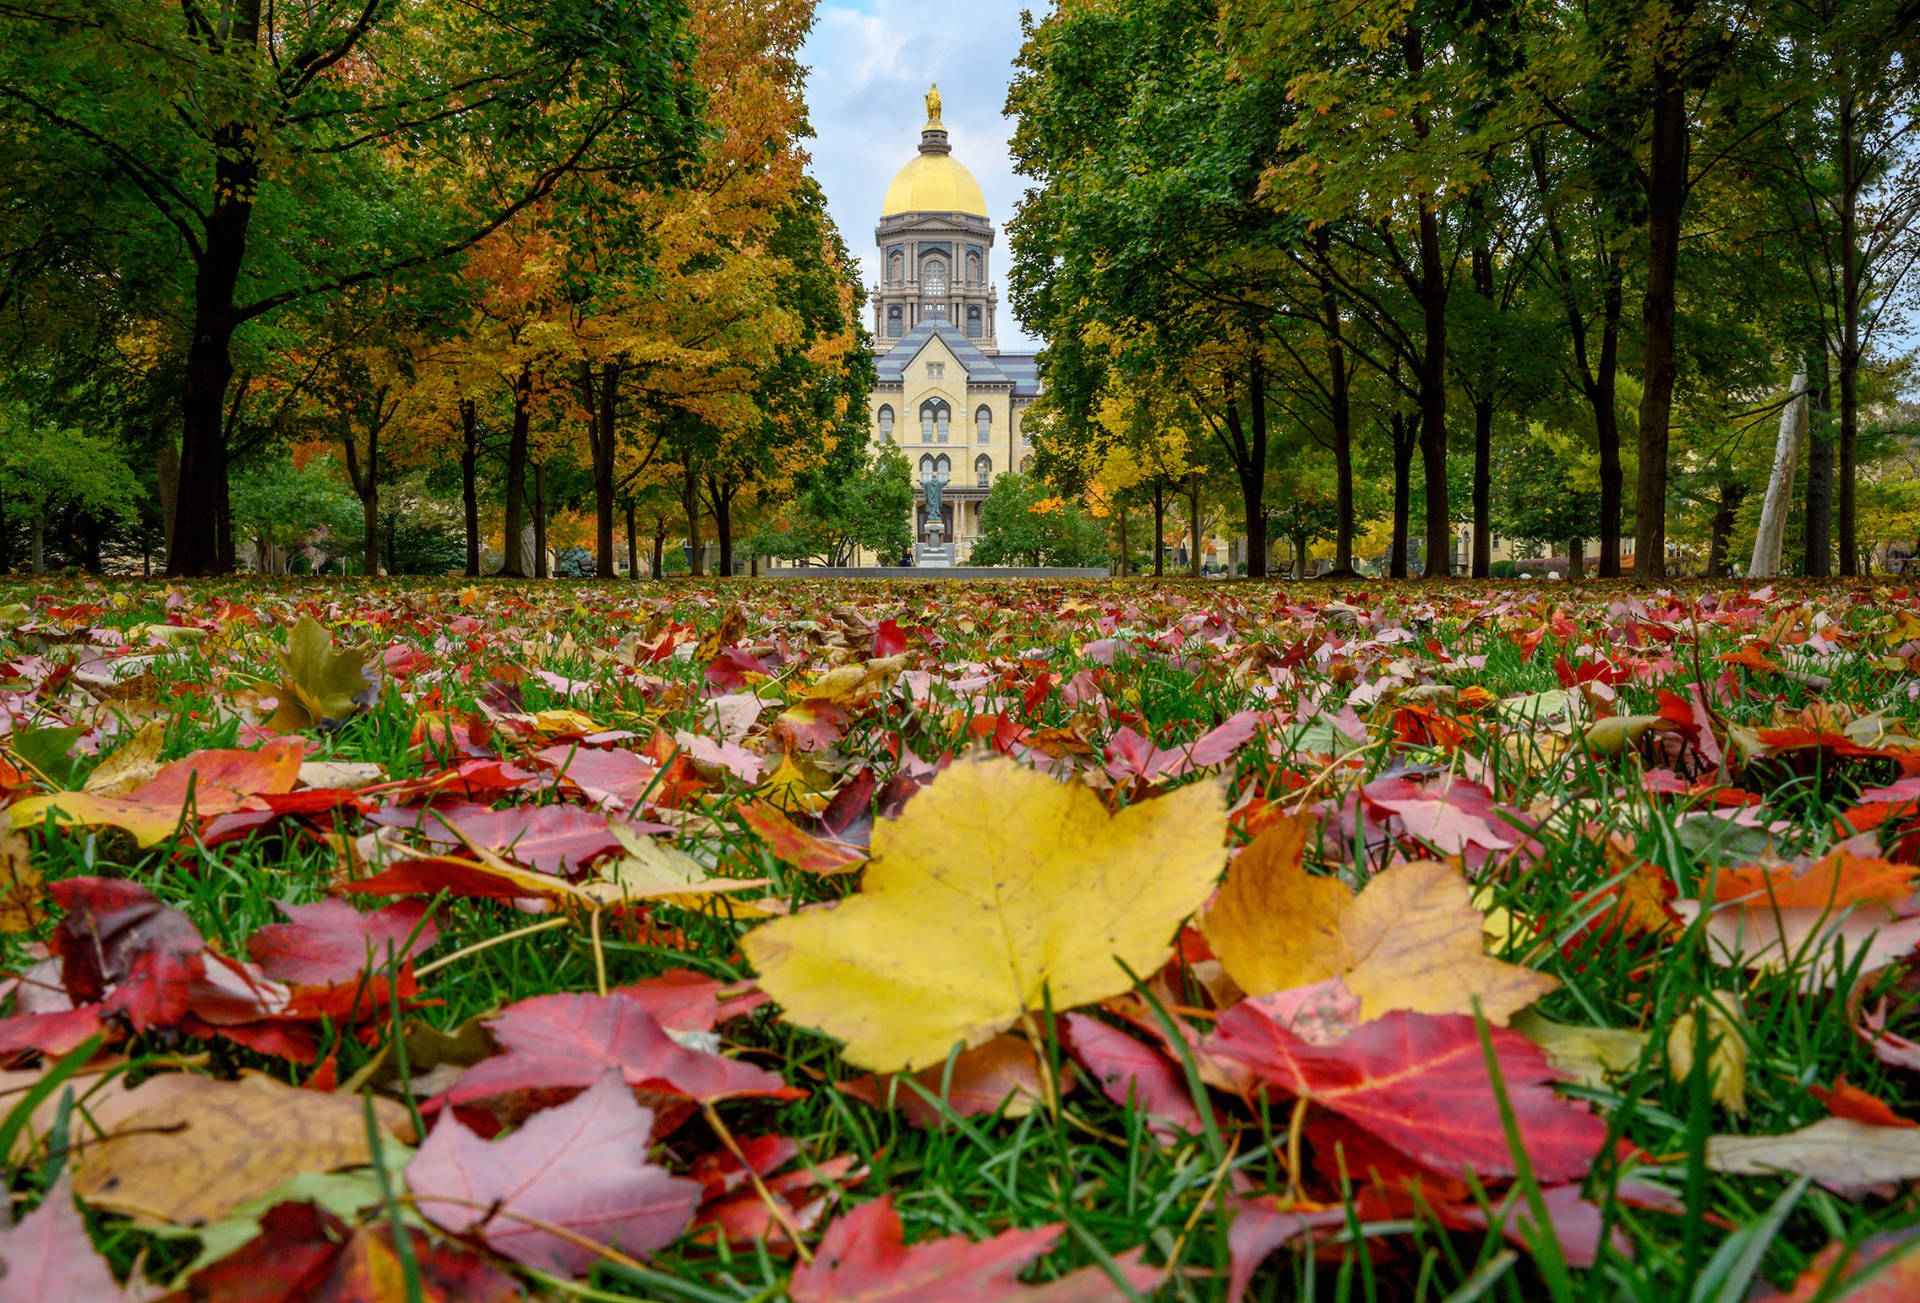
{"points": [[1253, 467], [39, 542], [1720, 531], [1341, 408], [166, 470], [1771, 534], [723, 526], [1482, 566], [633, 544], [1403, 446], [1159, 528], [658, 564], [1193, 523], [602, 444], [1666, 197], [1122, 522], [1816, 543], [1433, 357], [469, 482], [514, 562], [690, 503], [1576, 558], [1850, 346], [540, 569], [200, 504]]}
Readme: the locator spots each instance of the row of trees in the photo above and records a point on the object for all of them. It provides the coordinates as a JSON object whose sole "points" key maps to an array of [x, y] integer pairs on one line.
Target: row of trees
{"points": [[514, 254], [1465, 253]]}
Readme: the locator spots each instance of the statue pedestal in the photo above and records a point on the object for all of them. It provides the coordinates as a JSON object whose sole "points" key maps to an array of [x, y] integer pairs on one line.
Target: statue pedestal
{"points": [[933, 552]]}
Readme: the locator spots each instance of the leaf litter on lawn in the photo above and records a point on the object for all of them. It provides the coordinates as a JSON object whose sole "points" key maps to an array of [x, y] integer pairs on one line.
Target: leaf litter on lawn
{"points": [[970, 942]]}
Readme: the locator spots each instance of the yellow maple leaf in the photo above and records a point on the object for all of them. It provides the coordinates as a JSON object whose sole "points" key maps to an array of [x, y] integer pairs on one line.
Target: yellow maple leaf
{"points": [[996, 891], [1411, 940]]}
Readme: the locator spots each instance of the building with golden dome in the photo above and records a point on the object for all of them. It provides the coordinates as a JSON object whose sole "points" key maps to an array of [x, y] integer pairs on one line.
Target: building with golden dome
{"points": [[946, 394]]}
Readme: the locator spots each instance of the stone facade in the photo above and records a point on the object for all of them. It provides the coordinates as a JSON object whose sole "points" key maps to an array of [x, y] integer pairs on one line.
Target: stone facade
{"points": [[947, 395]]}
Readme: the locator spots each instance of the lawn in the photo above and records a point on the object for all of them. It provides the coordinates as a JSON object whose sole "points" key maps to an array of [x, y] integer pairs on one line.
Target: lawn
{"points": [[1197, 941]]}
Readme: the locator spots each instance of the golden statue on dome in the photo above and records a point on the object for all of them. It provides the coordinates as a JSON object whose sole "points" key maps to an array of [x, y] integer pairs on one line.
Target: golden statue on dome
{"points": [[933, 105]]}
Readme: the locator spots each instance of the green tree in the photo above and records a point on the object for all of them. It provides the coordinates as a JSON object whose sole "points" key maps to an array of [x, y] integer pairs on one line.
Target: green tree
{"points": [[291, 151], [862, 502], [1022, 524], [44, 468]]}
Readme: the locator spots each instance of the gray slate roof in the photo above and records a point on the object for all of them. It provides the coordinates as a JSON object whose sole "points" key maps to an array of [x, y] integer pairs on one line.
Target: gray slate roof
{"points": [[1021, 370]]}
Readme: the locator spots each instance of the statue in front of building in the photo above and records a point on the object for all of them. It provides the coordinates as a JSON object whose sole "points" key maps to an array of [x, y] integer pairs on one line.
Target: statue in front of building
{"points": [[934, 486]]}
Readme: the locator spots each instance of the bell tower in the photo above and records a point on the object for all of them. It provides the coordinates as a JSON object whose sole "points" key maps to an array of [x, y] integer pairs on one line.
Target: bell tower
{"points": [[935, 246]]}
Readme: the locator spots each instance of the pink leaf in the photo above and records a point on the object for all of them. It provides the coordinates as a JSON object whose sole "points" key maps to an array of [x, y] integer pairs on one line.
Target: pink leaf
{"points": [[581, 1167]]}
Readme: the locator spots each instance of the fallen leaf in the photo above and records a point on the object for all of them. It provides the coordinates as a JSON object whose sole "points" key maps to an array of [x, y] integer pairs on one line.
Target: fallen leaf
{"points": [[864, 1258], [1845, 1156], [1879, 1269], [1849, 1101], [581, 1167], [1135, 1075], [303, 1252], [321, 683], [48, 1257], [217, 781], [23, 905], [996, 891], [1000, 1074], [209, 1145], [1410, 940], [130, 764], [1418, 1083], [331, 941], [554, 1045], [1587, 1056], [1724, 1030]]}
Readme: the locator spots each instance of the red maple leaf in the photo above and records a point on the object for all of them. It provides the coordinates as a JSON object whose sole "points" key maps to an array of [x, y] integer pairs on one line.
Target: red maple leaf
{"points": [[1418, 1084], [864, 1258], [581, 1167]]}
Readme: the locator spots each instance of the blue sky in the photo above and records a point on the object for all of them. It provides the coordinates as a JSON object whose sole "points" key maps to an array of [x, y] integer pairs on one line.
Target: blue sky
{"points": [[871, 61]]}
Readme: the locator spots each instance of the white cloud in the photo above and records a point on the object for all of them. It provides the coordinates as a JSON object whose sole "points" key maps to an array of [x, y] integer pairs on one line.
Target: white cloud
{"points": [[870, 64]]}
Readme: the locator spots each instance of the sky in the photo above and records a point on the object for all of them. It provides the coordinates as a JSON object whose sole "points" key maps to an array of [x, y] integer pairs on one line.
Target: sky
{"points": [[870, 63]]}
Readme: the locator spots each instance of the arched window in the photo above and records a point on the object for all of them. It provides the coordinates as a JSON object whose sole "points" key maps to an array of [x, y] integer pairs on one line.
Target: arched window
{"points": [[895, 266], [982, 470], [926, 466], [893, 322], [942, 467], [933, 278], [973, 268], [886, 425], [973, 323], [983, 423], [933, 420]]}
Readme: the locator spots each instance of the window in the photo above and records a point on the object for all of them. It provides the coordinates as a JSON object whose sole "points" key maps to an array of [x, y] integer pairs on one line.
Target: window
{"points": [[926, 467], [896, 265], [1026, 464], [973, 323], [936, 370], [886, 425], [941, 466], [933, 278], [983, 424], [933, 420], [982, 470], [893, 322], [973, 268]]}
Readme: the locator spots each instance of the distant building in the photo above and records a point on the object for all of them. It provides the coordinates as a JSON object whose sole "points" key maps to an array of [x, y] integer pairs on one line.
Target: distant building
{"points": [[947, 395]]}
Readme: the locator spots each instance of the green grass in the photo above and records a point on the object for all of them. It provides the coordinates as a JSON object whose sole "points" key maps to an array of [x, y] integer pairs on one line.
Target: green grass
{"points": [[1081, 1161]]}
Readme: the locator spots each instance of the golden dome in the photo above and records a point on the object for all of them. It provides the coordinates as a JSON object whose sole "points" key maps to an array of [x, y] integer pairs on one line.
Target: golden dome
{"points": [[934, 183]]}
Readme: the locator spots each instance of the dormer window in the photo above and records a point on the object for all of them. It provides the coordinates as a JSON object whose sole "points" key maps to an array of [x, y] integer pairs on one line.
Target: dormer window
{"points": [[936, 370]]}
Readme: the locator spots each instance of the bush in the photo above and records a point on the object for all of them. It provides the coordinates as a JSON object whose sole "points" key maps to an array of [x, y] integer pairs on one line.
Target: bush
{"points": [[574, 563], [1503, 570]]}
